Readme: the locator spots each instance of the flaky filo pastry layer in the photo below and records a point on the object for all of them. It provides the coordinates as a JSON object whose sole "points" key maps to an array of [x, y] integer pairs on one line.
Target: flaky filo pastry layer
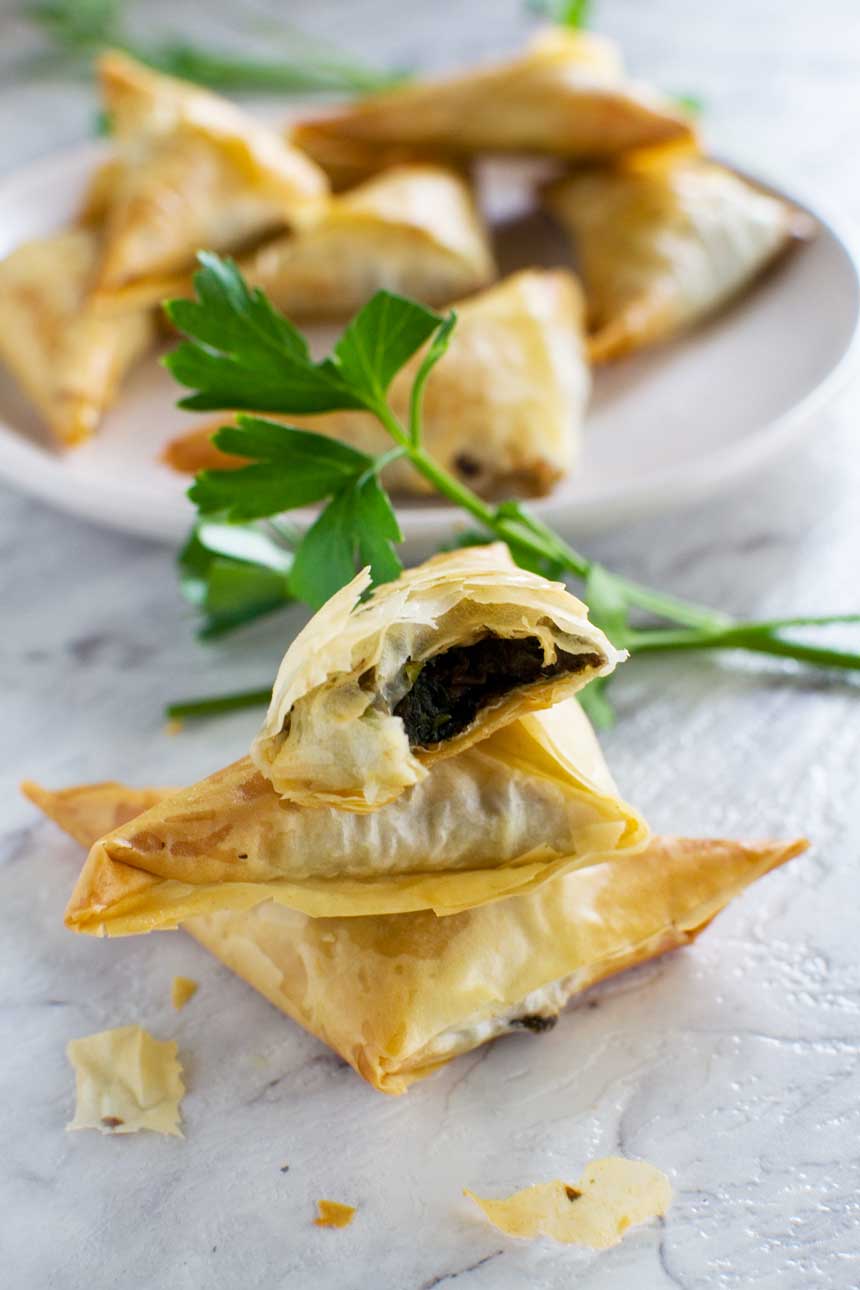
{"points": [[532, 801], [503, 411], [414, 230], [414, 991], [372, 693], [565, 96], [665, 238], [67, 359], [190, 171], [401, 995]]}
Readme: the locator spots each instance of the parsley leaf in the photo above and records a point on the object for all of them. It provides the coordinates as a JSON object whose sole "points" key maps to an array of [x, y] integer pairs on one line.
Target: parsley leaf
{"points": [[380, 339], [242, 353], [359, 522], [234, 575], [296, 468], [377, 528]]}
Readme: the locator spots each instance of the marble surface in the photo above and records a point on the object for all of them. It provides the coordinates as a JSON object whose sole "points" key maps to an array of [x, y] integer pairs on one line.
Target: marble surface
{"points": [[733, 1065]]}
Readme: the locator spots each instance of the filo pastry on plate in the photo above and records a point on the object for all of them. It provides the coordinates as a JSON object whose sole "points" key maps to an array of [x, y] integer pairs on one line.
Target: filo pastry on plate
{"points": [[531, 801], [502, 411], [399, 996], [68, 360], [190, 170], [414, 230], [663, 240], [373, 692], [566, 96]]}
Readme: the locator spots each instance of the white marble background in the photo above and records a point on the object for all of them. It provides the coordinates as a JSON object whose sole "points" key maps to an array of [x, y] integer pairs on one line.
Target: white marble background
{"points": [[734, 1065]]}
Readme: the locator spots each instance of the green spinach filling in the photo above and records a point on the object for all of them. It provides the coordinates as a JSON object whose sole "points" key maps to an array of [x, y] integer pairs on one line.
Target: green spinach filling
{"points": [[537, 1024], [450, 689]]}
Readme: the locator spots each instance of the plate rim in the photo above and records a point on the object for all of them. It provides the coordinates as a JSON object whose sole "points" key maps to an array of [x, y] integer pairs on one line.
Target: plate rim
{"points": [[39, 474]]}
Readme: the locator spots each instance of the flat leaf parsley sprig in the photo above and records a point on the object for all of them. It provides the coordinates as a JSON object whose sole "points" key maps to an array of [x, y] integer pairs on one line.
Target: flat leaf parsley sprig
{"points": [[240, 353]]}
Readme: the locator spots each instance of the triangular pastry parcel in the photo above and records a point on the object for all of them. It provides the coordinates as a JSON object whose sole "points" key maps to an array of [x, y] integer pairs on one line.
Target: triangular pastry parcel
{"points": [[665, 239], [88, 811], [399, 996], [414, 230], [69, 361], [195, 172], [566, 96], [525, 804], [372, 692], [502, 410]]}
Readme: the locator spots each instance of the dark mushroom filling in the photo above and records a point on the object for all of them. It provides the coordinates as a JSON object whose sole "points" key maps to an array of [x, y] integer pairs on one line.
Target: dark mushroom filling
{"points": [[450, 689]]}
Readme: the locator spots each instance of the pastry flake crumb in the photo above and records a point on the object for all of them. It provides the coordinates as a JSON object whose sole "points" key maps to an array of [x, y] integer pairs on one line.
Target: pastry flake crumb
{"points": [[333, 1214], [182, 990], [611, 1196], [174, 727], [126, 1081]]}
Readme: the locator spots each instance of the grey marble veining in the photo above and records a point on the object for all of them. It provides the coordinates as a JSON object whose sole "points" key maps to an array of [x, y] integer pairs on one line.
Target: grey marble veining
{"points": [[735, 1065]]}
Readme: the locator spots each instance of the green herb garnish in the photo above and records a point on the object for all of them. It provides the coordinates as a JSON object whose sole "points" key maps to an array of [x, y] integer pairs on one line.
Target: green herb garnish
{"points": [[78, 30], [691, 103], [235, 573], [565, 13], [239, 352]]}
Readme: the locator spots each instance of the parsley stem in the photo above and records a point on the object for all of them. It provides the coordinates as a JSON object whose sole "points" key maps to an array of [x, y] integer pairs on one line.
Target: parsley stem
{"points": [[236, 339], [757, 638], [383, 413], [385, 459], [214, 704], [531, 534], [701, 628]]}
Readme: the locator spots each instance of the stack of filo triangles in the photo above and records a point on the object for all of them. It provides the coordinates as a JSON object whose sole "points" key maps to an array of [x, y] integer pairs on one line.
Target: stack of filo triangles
{"points": [[407, 898]]}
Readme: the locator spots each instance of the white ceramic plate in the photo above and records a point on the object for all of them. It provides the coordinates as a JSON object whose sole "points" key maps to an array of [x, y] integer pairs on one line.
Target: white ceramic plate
{"points": [[666, 428]]}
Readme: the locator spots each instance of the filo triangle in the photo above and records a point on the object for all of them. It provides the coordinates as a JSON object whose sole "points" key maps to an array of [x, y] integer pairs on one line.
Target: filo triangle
{"points": [[412, 990], [68, 360], [663, 240], [503, 410], [528, 803], [191, 172], [566, 96]]}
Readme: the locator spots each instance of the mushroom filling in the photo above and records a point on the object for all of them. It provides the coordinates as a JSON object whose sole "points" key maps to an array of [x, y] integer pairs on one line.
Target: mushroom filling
{"points": [[450, 689]]}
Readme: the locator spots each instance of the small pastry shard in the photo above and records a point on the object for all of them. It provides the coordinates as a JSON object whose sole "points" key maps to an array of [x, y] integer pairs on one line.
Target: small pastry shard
{"points": [[414, 991], [414, 230], [665, 239], [612, 1196], [182, 991], [333, 1214], [126, 1081], [503, 410], [566, 96], [68, 360], [194, 172]]}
